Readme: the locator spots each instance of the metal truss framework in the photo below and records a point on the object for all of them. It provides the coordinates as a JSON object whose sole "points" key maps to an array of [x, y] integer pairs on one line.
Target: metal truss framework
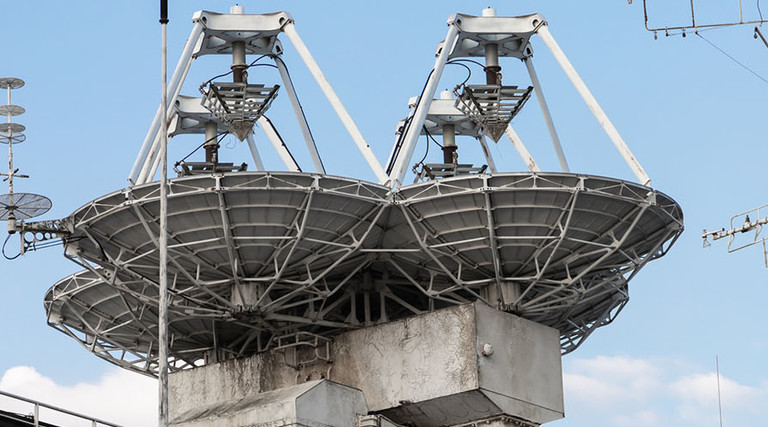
{"points": [[257, 256], [216, 34], [474, 36], [468, 36]]}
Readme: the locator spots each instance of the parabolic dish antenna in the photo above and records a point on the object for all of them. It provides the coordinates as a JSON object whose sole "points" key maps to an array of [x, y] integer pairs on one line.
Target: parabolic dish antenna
{"points": [[258, 256], [255, 255], [14, 138], [11, 110], [12, 128], [11, 83], [23, 205]]}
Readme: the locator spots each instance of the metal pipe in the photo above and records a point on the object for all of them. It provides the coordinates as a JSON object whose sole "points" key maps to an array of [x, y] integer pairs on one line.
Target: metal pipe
{"points": [[521, 150], [547, 117], [238, 62], [491, 55], [152, 161], [163, 349], [717, 369], [693, 15], [591, 102], [401, 127], [10, 156], [290, 30], [278, 143], [300, 117], [449, 144], [239, 75], [255, 152], [487, 153], [760, 33], [150, 167], [57, 409], [211, 143], [417, 122], [741, 14], [492, 68], [175, 87]]}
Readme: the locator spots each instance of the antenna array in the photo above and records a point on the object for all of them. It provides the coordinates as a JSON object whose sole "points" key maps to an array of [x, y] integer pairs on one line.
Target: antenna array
{"points": [[16, 206], [696, 26], [741, 224]]}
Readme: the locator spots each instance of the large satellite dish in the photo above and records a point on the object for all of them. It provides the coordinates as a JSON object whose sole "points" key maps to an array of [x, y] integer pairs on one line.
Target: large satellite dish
{"points": [[264, 254], [259, 255]]}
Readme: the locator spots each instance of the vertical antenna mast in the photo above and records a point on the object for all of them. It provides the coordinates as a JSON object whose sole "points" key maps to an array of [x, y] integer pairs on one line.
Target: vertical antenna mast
{"points": [[719, 401], [163, 300], [16, 206]]}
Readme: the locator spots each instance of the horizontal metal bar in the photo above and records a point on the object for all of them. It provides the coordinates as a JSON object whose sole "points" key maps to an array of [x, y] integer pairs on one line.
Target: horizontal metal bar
{"points": [[55, 408]]}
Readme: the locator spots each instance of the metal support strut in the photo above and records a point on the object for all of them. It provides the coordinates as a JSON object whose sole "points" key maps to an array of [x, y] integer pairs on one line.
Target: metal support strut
{"points": [[591, 102], [414, 130], [290, 30], [147, 153]]}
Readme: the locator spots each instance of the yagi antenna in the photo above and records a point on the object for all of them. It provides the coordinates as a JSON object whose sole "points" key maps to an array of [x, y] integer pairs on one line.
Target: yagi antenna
{"points": [[742, 224], [696, 26], [16, 206]]}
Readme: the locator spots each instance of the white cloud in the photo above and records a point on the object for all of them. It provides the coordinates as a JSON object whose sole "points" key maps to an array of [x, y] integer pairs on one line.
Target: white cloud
{"points": [[602, 391], [120, 397], [627, 392]]}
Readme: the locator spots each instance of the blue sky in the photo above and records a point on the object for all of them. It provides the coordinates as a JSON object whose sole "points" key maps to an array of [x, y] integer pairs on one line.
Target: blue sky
{"points": [[693, 118]]}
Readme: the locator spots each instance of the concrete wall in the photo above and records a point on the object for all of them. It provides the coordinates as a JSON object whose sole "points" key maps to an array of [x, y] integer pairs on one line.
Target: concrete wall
{"points": [[428, 370], [313, 404]]}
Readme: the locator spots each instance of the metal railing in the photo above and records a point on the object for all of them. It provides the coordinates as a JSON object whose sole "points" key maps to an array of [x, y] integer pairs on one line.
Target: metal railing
{"points": [[37, 405]]}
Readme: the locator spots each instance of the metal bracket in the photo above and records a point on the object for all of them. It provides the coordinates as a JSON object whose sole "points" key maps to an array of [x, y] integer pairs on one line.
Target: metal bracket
{"points": [[190, 117], [259, 32], [34, 234], [511, 34], [291, 346]]}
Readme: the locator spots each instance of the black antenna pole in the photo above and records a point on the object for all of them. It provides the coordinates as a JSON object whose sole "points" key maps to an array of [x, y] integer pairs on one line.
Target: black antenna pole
{"points": [[163, 11]]}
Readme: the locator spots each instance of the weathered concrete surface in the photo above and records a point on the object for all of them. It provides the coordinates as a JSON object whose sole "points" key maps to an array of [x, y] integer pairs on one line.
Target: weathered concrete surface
{"points": [[428, 370], [524, 373], [312, 404], [410, 360]]}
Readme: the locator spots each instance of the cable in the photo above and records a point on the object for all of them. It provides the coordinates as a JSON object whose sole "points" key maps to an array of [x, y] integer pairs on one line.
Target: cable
{"points": [[469, 72], [4, 244], [408, 120], [252, 64], [734, 59], [257, 60], [426, 152], [760, 12], [466, 60], [220, 134], [301, 109], [212, 79], [429, 136], [282, 141], [406, 126]]}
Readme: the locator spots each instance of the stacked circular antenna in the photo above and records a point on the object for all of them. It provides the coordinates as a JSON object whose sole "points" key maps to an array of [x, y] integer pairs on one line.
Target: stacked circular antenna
{"points": [[16, 206]]}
